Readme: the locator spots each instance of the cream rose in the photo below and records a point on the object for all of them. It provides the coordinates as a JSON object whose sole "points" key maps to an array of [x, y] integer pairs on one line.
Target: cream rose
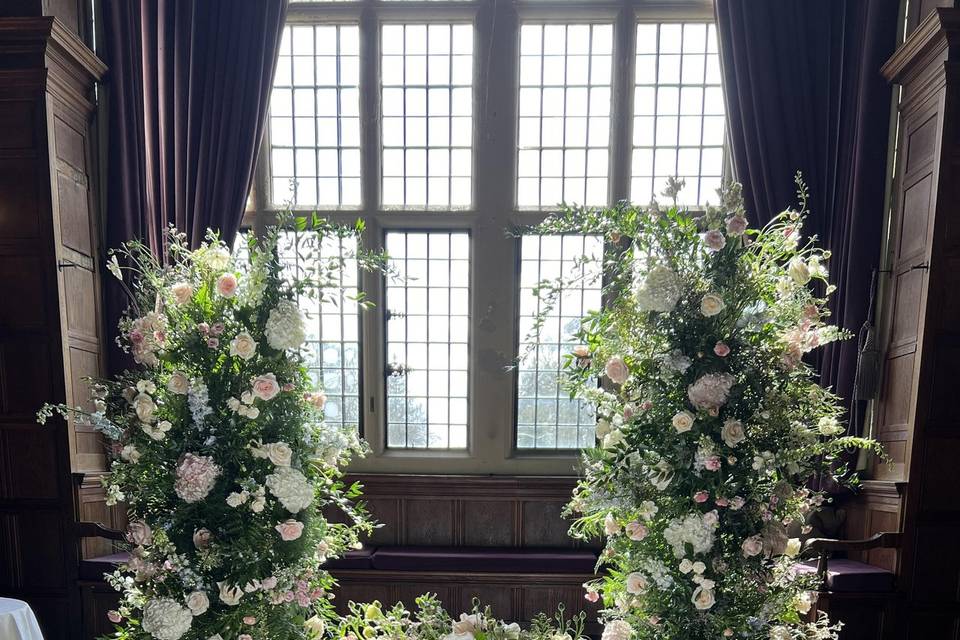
{"points": [[703, 599], [289, 530], [636, 531], [616, 369], [793, 548], [145, 407], [711, 305], [265, 387], [279, 453], [683, 421], [178, 384], [227, 285], [201, 538], [315, 625], [198, 603], [229, 594], [732, 433], [182, 292], [610, 525], [243, 345]]}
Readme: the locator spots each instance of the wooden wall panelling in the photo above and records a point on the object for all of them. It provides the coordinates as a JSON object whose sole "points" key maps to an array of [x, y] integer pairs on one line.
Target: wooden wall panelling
{"points": [[918, 417], [46, 81]]}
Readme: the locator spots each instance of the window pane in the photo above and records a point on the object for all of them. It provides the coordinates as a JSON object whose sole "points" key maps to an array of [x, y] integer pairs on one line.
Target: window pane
{"points": [[427, 310], [426, 78], [678, 125], [564, 110], [314, 117], [547, 418], [333, 323]]}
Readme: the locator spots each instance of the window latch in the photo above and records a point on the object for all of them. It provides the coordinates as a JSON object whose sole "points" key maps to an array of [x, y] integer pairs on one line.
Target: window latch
{"points": [[395, 370]]}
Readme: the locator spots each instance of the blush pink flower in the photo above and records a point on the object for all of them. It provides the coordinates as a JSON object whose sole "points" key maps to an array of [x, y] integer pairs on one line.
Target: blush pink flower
{"points": [[203, 328], [721, 502], [616, 369], [736, 225], [721, 349], [289, 530], [591, 596], [712, 463], [196, 476], [317, 400], [249, 620], [714, 240], [266, 386], [213, 343], [701, 496], [227, 285], [114, 616], [217, 328], [636, 531]]}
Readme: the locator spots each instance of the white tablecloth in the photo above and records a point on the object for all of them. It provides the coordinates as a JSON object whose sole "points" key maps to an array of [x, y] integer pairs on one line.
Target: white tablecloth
{"points": [[17, 621]]}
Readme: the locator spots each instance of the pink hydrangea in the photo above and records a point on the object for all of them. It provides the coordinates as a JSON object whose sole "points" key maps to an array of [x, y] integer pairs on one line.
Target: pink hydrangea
{"points": [[710, 391], [196, 476]]}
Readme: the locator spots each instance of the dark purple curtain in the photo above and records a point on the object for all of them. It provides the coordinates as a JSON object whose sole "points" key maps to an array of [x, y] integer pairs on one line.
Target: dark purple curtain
{"points": [[189, 86], [804, 93]]}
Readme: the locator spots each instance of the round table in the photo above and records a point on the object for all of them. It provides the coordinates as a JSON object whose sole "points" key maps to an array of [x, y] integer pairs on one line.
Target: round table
{"points": [[17, 621]]}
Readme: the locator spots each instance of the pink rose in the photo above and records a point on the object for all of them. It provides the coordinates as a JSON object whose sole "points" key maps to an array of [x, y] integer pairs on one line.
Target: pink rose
{"points": [[736, 225], [266, 387], [269, 583], [701, 496], [616, 369], [714, 240], [114, 616], [316, 399], [217, 328], [203, 328], [289, 530], [244, 636], [721, 349], [201, 538], [712, 463], [213, 343], [636, 531], [721, 502], [250, 620], [139, 533], [227, 285]]}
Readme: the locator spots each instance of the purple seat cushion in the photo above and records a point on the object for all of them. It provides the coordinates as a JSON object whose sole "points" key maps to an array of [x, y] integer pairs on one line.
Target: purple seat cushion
{"points": [[851, 576], [484, 560], [357, 559], [92, 569]]}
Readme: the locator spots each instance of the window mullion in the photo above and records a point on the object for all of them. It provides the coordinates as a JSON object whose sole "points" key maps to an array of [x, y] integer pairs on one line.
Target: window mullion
{"points": [[621, 121]]}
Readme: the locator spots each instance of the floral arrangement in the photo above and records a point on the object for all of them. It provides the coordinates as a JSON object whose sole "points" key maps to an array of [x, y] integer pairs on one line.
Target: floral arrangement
{"points": [[220, 450], [710, 424], [430, 621]]}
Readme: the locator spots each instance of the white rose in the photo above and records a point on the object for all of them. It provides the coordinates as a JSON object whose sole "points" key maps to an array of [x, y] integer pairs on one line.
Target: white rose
{"points": [[683, 421], [236, 499], [798, 271], [732, 433], [711, 305], [279, 453], [467, 624], [511, 631], [230, 595], [243, 345], [703, 599], [144, 406], [178, 384], [198, 602], [636, 583], [130, 454], [182, 292]]}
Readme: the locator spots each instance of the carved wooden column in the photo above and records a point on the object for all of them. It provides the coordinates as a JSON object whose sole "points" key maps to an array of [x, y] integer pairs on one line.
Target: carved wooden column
{"points": [[50, 325], [919, 409]]}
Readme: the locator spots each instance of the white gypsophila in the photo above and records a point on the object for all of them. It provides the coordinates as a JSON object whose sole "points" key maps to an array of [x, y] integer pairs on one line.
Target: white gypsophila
{"points": [[291, 488], [166, 619], [198, 401], [285, 327], [659, 291], [693, 529]]}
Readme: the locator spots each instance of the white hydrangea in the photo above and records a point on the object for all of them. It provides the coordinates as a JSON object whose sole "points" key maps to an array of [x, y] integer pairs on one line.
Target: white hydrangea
{"points": [[166, 619], [285, 327], [617, 630], [291, 488], [659, 291], [694, 529]]}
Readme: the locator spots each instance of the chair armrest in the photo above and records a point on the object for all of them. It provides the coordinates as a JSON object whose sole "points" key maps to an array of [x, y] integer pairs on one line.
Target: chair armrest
{"points": [[97, 530], [823, 547]]}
